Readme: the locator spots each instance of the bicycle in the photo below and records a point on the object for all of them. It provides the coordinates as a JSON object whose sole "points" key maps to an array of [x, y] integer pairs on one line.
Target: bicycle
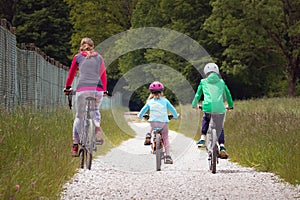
{"points": [[87, 138], [212, 145], [157, 146]]}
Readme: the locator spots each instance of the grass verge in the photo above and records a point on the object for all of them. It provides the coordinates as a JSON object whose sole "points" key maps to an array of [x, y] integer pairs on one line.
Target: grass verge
{"points": [[36, 151]]}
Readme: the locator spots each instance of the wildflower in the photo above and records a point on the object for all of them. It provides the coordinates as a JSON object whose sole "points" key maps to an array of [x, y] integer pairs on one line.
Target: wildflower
{"points": [[17, 187]]}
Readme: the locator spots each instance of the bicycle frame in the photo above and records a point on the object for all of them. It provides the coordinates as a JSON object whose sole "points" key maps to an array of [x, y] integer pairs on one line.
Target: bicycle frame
{"points": [[87, 135], [158, 144], [158, 147], [212, 146], [87, 138]]}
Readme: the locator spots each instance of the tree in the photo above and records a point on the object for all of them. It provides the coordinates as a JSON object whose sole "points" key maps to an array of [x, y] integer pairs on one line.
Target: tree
{"points": [[46, 24], [186, 17], [100, 20], [261, 40], [7, 9]]}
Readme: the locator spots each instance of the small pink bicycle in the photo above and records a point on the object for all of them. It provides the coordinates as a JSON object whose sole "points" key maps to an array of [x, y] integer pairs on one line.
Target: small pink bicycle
{"points": [[158, 144]]}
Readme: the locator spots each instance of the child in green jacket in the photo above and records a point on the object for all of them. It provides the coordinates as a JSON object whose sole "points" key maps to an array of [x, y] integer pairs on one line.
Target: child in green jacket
{"points": [[214, 90]]}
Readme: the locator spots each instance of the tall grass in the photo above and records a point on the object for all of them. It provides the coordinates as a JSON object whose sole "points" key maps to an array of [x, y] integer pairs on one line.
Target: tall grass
{"points": [[265, 134], [262, 133], [36, 152], [35, 149]]}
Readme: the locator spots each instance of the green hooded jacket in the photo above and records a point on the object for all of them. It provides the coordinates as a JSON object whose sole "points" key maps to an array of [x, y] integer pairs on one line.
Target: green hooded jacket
{"points": [[215, 91]]}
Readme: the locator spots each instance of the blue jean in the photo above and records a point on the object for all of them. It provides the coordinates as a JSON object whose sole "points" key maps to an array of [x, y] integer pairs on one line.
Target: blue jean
{"points": [[205, 124]]}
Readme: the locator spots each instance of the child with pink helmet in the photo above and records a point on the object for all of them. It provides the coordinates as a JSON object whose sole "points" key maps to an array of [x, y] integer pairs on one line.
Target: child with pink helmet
{"points": [[158, 117]]}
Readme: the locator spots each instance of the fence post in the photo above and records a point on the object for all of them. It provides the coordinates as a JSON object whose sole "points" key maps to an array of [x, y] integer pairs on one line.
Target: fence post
{"points": [[4, 23]]}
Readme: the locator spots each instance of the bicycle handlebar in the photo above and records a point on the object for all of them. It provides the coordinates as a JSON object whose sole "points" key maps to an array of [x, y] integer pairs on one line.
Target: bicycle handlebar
{"points": [[146, 116], [107, 94], [70, 92], [227, 108]]}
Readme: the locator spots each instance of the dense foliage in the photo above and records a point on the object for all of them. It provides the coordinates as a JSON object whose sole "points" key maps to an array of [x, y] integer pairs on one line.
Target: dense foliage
{"points": [[262, 40], [44, 23], [256, 43]]}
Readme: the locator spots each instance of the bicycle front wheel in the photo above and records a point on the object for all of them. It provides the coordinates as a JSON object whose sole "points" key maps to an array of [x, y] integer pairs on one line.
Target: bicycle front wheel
{"points": [[158, 152]]}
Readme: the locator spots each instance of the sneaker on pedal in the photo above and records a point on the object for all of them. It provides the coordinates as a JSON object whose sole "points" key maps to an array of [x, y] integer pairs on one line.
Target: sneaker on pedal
{"points": [[169, 160], [75, 150], [223, 153], [99, 138], [200, 143], [148, 139]]}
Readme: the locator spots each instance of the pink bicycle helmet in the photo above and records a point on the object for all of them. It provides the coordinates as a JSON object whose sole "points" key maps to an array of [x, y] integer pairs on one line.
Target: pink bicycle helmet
{"points": [[156, 87]]}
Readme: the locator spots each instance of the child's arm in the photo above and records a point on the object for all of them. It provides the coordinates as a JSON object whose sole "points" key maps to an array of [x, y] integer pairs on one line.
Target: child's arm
{"points": [[197, 96], [172, 110], [143, 111], [228, 97]]}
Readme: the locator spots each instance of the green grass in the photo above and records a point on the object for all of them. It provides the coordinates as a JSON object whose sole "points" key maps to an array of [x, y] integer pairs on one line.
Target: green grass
{"points": [[115, 129], [36, 151], [265, 134], [261, 133]]}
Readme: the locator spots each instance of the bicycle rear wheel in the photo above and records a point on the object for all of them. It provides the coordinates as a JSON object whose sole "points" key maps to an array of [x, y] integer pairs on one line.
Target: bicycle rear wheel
{"points": [[214, 159], [212, 150], [81, 156], [158, 152], [90, 143], [89, 157]]}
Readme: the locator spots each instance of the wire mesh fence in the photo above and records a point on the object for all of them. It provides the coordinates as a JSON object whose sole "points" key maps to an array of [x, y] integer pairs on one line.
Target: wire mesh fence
{"points": [[26, 77], [30, 78]]}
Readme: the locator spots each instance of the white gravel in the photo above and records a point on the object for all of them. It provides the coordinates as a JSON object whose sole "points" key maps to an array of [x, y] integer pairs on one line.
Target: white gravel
{"points": [[128, 172]]}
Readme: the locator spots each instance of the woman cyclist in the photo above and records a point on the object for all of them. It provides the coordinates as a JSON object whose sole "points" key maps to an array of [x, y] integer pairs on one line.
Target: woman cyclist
{"points": [[158, 117], [214, 90], [91, 83]]}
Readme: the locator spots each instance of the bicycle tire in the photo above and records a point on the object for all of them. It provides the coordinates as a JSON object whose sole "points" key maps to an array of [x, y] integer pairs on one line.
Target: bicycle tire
{"points": [[214, 160], [81, 156], [90, 128], [211, 149], [214, 152], [158, 152], [208, 143], [89, 158]]}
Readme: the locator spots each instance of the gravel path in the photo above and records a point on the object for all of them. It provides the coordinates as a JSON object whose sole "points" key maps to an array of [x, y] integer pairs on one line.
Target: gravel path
{"points": [[128, 172]]}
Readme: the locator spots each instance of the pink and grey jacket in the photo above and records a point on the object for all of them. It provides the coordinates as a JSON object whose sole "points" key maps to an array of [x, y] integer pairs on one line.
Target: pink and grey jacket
{"points": [[92, 72]]}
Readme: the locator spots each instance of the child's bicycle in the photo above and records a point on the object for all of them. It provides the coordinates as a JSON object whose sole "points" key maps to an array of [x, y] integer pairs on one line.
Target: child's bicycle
{"points": [[87, 139], [212, 144], [157, 146]]}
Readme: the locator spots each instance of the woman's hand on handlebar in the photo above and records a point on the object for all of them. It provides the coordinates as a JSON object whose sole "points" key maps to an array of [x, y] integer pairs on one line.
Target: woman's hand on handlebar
{"points": [[67, 90]]}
